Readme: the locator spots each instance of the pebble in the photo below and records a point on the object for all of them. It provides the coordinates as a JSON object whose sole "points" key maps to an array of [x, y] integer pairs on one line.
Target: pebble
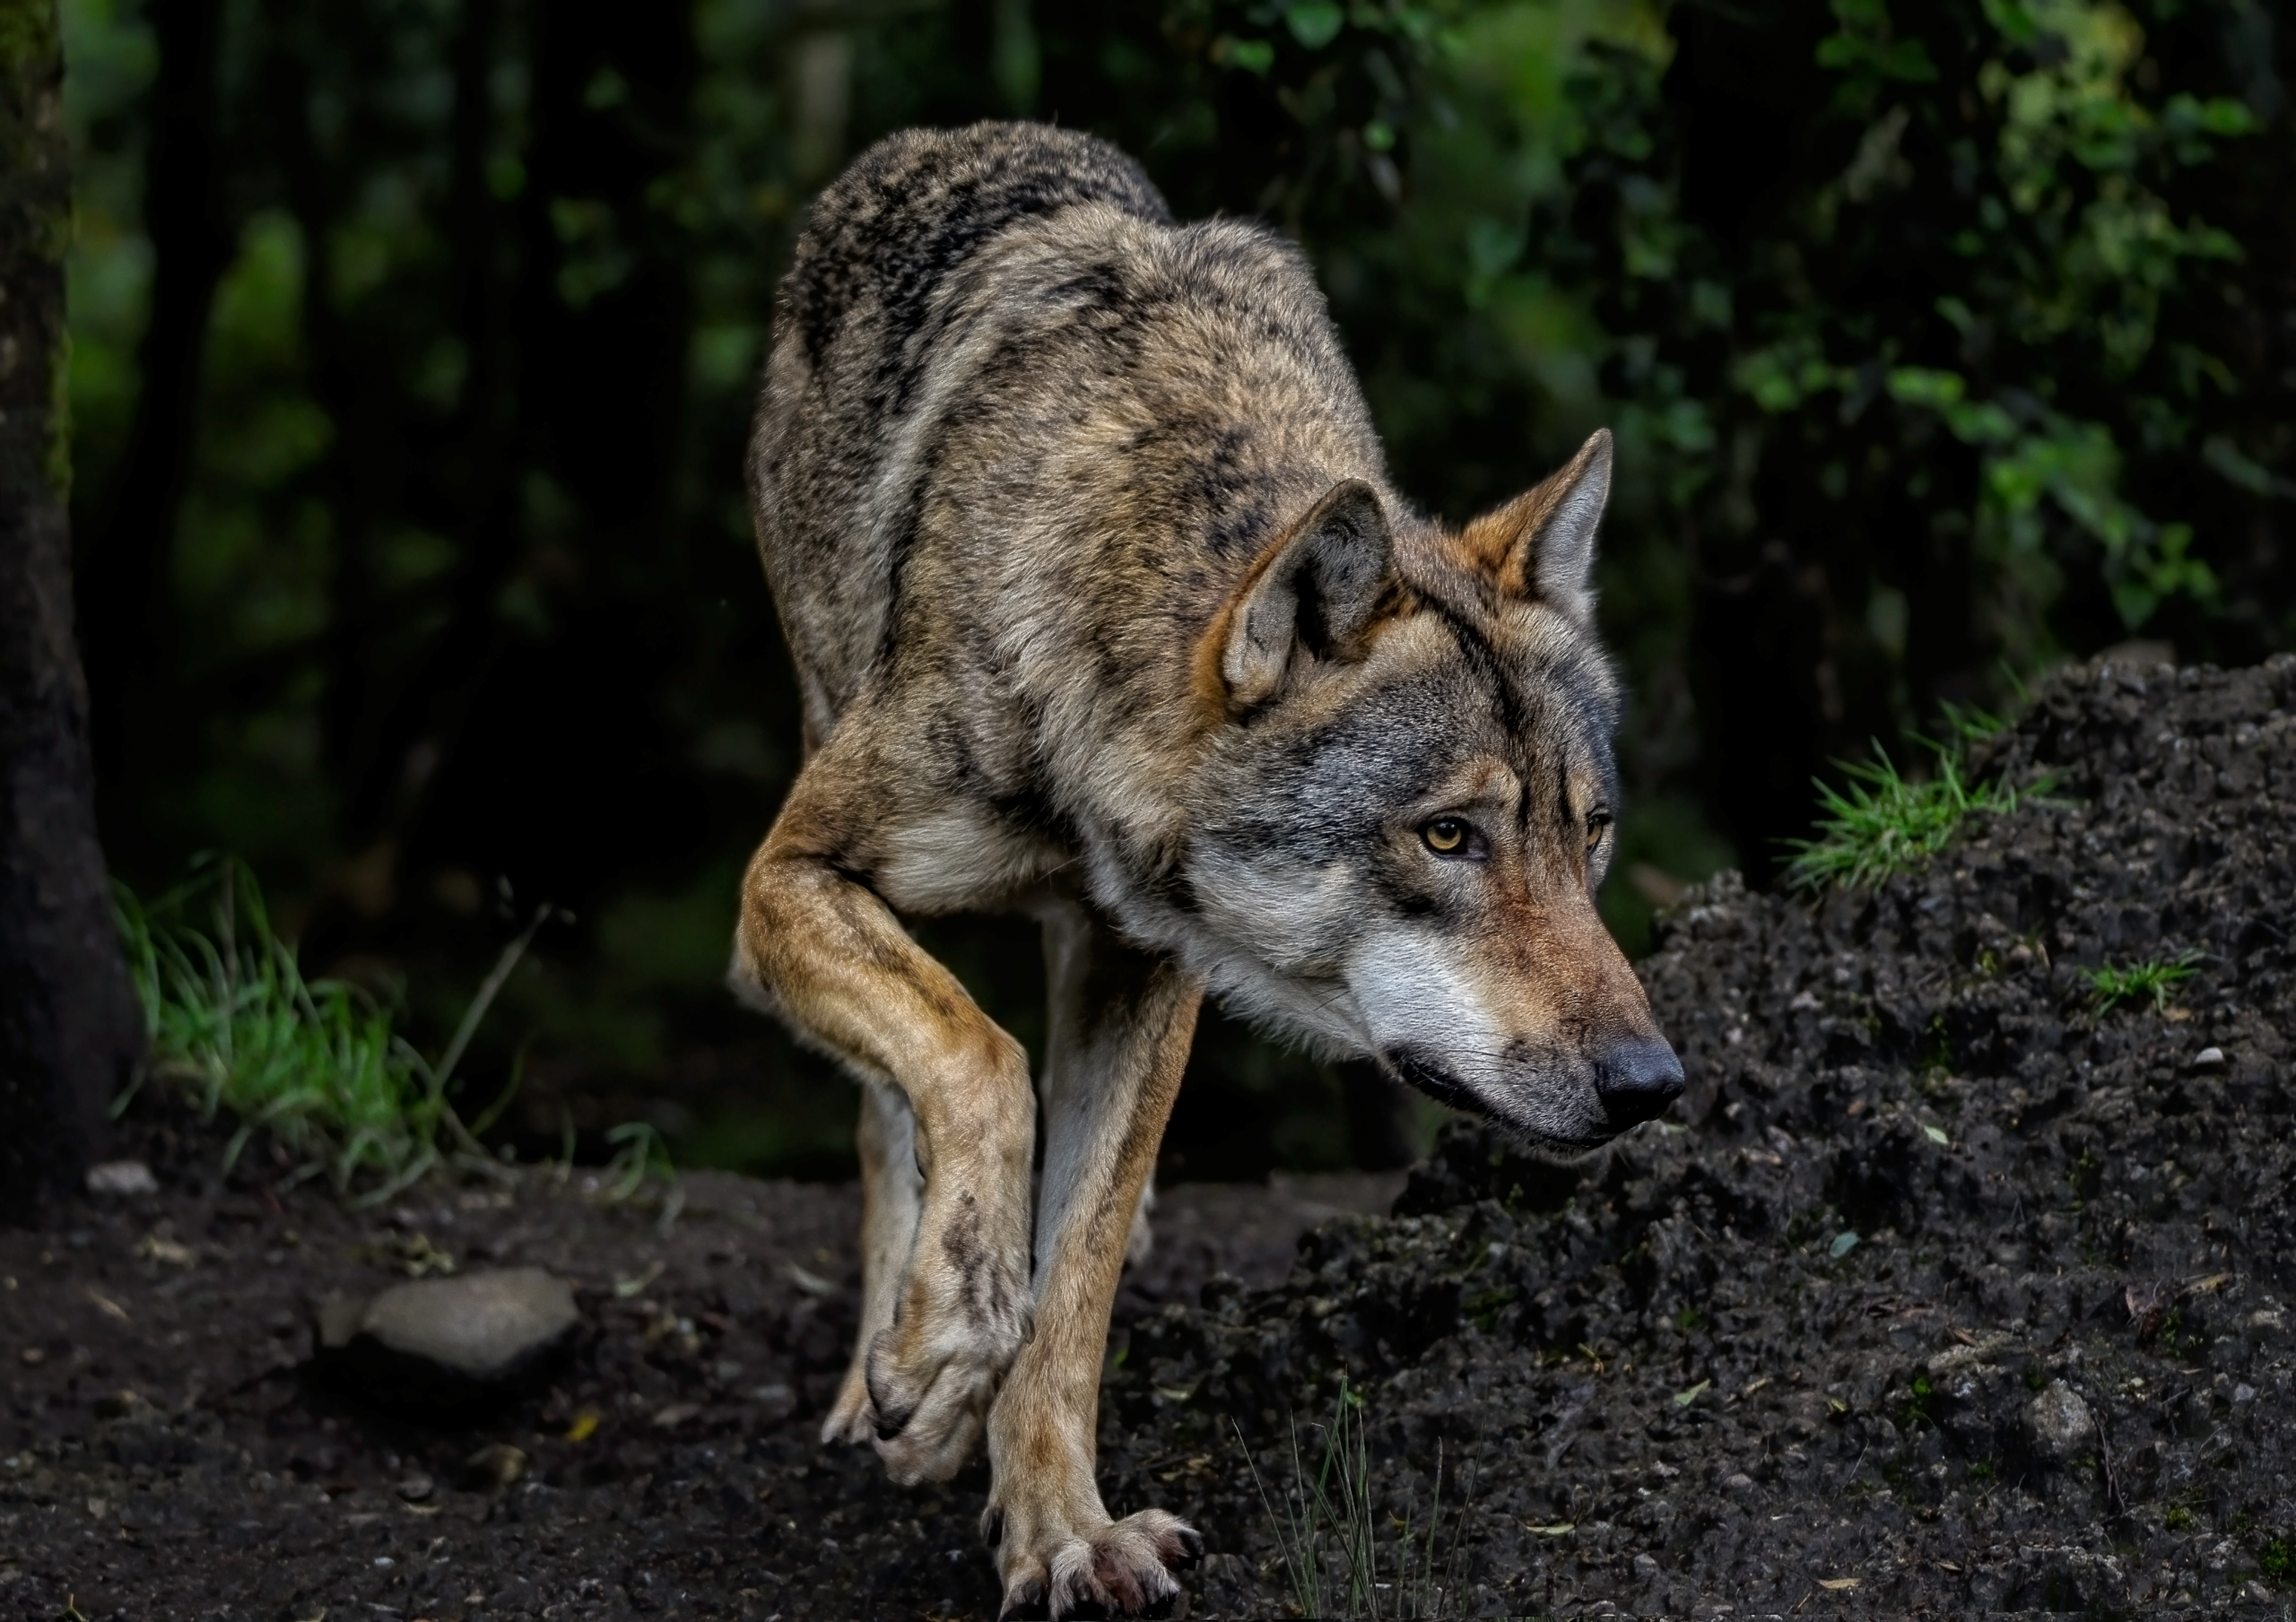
{"points": [[445, 1342], [1738, 1485], [122, 1177], [2059, 1423], [415, 1488], [2209, 1058], [497, 1464]]}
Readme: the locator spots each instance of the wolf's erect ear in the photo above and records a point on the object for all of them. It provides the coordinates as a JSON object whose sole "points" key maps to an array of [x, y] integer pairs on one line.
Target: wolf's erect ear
{"points": [[1319, 593], [1542, 544]]}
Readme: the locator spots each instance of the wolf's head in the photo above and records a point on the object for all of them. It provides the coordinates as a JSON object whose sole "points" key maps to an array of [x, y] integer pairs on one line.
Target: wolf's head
{"points": [[1410, 801]]}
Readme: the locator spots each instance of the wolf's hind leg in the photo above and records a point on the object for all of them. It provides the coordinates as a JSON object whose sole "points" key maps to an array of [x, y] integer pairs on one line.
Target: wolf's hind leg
{"points": [[891, 1193], [830, 958], [1121, 1022], [1140, 1243]]}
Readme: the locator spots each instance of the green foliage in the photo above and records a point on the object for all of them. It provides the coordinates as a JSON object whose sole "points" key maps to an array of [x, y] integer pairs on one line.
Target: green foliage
{"points": [[2277, 1558], [1915, 1412], [2148, 981], [2085, 1176], [1981, 1470], [1883, 823], [2029, 165], [1327, 1531], [316, 1065]]}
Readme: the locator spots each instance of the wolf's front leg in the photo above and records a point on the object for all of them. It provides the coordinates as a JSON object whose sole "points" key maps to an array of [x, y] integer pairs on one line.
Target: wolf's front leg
{"points": [[891, 1196], [1120, 1027], [827, 954]]}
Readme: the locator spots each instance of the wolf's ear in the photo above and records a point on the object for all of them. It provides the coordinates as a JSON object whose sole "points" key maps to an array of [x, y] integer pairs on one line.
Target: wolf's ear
{"points": [[1542, 544], [1319, 592]]}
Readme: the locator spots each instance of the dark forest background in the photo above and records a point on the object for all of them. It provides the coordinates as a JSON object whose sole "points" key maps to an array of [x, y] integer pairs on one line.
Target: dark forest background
{"points": [[413, 344]]}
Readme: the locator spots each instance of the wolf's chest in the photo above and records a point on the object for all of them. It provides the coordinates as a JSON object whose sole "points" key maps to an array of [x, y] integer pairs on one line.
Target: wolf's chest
{"points": [[964, 858]]}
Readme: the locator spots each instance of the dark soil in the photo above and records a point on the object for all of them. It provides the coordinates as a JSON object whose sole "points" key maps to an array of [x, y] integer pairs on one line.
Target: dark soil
{"points": [[1673, 1381], [168, 1448]]}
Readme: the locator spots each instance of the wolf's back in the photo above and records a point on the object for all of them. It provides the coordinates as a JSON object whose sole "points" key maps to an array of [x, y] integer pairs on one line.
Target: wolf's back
{"points": [[917, 204], [856, 348]]}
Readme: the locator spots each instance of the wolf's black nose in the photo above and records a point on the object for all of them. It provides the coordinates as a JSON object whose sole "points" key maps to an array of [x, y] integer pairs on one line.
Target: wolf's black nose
{"points": [[1636, 1081]]}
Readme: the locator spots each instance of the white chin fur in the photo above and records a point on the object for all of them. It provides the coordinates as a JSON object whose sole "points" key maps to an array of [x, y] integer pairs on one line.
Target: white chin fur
{"points": [[1412, 989]]}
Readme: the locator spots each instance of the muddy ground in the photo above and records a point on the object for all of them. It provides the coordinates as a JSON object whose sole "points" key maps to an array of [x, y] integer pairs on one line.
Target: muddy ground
{"points": [[1945, 1292]]}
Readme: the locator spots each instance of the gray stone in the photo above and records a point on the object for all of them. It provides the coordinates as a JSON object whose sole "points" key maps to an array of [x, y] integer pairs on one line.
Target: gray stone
{"points": [[122, 1177], [436, 1342], [415, 1488], [2060, 1424]]}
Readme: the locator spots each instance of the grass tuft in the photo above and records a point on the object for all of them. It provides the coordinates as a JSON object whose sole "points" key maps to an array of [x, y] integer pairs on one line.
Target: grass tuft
{"points": [[316, 1064], [1329, 1531], [1883, 822], [2149, 981]]}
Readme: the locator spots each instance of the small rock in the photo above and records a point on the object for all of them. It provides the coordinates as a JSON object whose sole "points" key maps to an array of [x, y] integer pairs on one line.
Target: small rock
{"points": [[677, 1414], [2209, 1058], [31, 1357], [415, 1488], [1646, 1569], [445, 1343], [122, 1177], [497, 1464], [2059, 1423], [1738, 1485]]}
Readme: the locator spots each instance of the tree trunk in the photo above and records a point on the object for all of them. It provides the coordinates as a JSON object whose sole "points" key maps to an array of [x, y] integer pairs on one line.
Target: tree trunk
{"points": [[70, 1033]]}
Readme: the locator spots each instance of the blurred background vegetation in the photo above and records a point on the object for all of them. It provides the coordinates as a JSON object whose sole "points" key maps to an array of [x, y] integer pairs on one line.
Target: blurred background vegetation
{"points": [[413, 344]]}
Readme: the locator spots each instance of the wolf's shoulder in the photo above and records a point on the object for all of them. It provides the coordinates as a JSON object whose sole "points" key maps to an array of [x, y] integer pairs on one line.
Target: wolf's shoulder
{"points": [[921, 202]]}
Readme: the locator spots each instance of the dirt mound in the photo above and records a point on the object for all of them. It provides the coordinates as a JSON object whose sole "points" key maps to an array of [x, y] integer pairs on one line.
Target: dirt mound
{"points": [[1954, 1293]]}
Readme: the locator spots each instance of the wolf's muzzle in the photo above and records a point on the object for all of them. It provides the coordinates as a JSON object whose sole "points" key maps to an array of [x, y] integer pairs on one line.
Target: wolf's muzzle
{"points": [[1635, 1081]]}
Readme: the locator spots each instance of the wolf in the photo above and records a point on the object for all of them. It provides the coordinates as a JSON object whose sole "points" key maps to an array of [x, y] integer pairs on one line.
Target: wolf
{"points": [[1104, 610]]}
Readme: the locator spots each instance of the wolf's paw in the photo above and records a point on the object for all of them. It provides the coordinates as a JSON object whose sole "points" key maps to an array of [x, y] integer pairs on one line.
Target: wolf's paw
{"points": [[928, 1423], [932, 1377], [1121, 1568]]}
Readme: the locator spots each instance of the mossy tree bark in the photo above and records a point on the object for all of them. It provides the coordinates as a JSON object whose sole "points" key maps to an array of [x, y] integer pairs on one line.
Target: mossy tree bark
{"points": [[70, 1033]]}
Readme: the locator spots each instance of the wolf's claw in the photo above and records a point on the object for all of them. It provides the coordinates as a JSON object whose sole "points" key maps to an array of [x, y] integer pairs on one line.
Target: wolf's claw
{"points": [[1122, 1568]]}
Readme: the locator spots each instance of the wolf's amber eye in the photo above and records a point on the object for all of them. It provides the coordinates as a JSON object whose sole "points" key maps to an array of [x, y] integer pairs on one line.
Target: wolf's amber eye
{"points": [[1445, 836], [1595, 824]]}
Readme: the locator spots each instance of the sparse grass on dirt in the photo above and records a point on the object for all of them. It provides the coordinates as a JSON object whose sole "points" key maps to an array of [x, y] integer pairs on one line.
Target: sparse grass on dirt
{"points": [[2150, 980], [1883, 823], [1328, 1530], [317, 1065]]}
